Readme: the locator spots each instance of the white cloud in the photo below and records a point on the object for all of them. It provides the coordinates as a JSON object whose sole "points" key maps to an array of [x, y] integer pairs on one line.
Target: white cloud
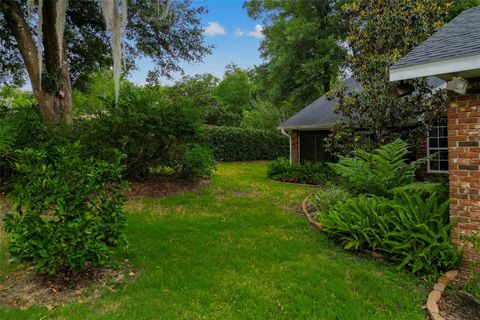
{"points": [[257, 33], [214, 29]]}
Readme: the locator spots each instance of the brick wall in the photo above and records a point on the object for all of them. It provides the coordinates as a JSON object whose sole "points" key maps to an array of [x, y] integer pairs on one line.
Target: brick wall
{"points": [[295, 146], [464, 167], [421, 152]]}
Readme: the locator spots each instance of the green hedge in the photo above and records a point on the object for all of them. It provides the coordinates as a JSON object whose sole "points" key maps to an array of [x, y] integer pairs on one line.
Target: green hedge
{"points": [[239, 144]]}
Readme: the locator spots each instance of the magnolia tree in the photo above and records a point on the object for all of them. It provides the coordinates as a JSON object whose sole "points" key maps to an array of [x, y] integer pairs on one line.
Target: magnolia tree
{"points": [[379, 33], [56, 39]]}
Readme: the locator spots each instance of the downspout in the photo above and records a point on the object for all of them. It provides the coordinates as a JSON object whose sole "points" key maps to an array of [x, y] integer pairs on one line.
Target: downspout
{"points": [[290, 142]]}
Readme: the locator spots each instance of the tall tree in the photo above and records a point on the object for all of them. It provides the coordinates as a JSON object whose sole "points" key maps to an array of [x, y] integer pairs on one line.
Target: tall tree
{"points": [[379, 33], [236, 89], [457, 6], [177, 36], [302, 46]]}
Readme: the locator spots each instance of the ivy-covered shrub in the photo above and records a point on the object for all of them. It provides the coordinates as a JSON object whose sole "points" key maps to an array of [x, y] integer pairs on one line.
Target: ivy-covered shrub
{"points": [[308, 172], [410, 229], [195, 162], [238, 144], [66, 208]]}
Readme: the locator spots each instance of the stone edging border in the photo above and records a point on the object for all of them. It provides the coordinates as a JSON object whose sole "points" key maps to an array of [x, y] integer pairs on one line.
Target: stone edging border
{"points": [[308, 214], [436, 294]]}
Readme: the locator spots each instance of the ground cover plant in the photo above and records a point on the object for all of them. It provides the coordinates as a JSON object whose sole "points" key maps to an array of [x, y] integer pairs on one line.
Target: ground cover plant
{"points": [[237, 250], [309, 173], [406, 221], [411, 231], [328, 196]]}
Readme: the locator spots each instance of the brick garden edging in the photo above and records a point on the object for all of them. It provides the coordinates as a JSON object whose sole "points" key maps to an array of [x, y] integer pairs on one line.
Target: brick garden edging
{"points": [[308, 214], [436, 294]]}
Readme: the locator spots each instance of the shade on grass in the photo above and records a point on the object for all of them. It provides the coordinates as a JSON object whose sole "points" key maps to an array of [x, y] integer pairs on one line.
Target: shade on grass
{"points": [[238, 250]]}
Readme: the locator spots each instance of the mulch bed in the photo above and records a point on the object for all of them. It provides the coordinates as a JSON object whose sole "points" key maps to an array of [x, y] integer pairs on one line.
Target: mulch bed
{"points": [[459, 306], [25, 288], [162, 187]]}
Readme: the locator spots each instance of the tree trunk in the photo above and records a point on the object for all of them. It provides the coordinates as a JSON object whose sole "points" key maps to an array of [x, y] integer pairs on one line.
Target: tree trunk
{"points": [[54, 91]]}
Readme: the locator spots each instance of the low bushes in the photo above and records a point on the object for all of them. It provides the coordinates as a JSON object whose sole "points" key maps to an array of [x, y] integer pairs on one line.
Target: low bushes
{"points": [[308, 172], [238, 144], [386, 211], [411, 230], [66, 208], [195, 162], [328, 197]]}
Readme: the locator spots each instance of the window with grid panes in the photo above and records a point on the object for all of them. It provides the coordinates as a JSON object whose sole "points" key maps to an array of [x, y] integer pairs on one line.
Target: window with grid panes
{"points": [[437, 146]]}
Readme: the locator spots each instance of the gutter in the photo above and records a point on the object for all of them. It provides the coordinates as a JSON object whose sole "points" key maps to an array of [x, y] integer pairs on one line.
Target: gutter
{"points": [[290, 142]]}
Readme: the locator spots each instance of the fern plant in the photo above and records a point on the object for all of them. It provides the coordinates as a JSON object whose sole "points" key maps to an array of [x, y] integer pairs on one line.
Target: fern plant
{"points": [[380, 171], [410, 229]]}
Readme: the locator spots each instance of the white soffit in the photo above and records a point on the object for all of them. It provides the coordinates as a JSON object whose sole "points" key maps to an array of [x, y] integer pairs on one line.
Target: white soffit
{"points": [[443, 69]]}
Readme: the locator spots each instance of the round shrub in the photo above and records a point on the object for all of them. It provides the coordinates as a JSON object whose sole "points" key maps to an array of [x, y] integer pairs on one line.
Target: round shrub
{"points": [[66, 208], [196, 162]]}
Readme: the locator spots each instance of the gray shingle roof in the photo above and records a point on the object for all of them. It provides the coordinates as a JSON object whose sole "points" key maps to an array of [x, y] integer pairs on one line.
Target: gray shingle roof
{"points": [[321, 112], [460, 37]]}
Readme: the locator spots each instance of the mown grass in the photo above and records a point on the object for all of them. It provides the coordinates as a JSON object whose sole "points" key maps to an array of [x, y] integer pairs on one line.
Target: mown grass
{"points": [[238, 250]]}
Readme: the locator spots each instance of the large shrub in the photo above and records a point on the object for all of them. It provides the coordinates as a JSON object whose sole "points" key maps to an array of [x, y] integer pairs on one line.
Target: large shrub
{"points": [[411, 229], [146, 126], [18, 125], [237, 144], [309, 172], [66, 208]]}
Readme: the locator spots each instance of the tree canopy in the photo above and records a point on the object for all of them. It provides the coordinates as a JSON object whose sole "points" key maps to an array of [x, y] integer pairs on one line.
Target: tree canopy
{"points": [[168, 41], [302, 47], [379, 33]]}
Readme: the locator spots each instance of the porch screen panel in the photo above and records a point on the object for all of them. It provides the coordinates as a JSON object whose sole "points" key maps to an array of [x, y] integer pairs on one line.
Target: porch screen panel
{"points": [[312, 146]]}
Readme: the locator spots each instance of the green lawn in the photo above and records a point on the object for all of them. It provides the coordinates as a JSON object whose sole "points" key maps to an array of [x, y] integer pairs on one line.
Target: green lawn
{"points": [[238, 250]]}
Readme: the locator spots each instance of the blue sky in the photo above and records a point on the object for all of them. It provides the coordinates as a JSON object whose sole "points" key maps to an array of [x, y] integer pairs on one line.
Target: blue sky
{"points": [[227, 26]]}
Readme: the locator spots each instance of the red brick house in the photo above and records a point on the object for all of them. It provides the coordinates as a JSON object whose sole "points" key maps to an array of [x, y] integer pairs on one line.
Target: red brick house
{"points": [[453, 54], [308, 128]]}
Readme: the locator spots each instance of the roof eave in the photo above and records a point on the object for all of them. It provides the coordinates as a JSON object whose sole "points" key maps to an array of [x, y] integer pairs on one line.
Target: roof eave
{"points": [[444, 69], [308, 127]]}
